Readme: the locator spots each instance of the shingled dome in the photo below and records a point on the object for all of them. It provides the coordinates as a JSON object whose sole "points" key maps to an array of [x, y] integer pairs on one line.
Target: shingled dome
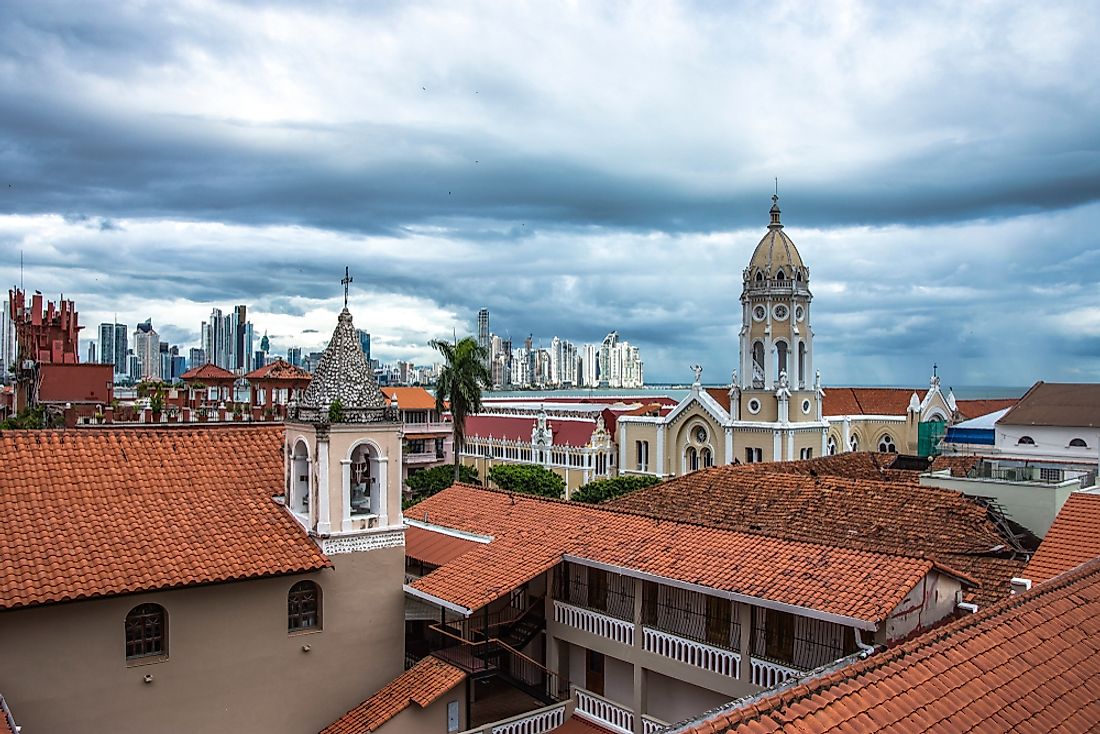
{"points": [[343, 374], [776, 252]]}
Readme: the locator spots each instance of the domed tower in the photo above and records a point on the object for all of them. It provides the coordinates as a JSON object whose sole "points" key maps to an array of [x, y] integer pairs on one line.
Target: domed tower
{"points": [[776, 337]]}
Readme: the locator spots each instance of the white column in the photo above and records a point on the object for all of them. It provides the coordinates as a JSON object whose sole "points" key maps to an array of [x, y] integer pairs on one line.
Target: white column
{"points": [[790, 445], [729, 445], [660, 468], [345, 493], [623, 431], [845, 435], [777, 446], [380, 496], [324, 523], [824, 441]]}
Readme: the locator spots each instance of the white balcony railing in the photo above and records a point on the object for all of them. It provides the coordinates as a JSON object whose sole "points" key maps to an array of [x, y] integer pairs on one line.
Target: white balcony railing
{"points": [[766, 674], [599, 710], [650, 725], [424, 457], [533, 722], [707, 657], [593, 622]]}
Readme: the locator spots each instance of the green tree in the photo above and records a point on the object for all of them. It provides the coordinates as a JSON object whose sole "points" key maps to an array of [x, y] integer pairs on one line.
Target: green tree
{"points": [[424, 484], [528, 479], [35, 417], [460, 383], [601, 490]]}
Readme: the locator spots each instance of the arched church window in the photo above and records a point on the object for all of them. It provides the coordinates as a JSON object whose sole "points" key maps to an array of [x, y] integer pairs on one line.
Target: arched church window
{"points": [[364, 481], [886, 444], [1078, 443], [303, 607], [798, 276], [853, 443], [1026, 441], [692, 459], [759, 276], [708, 458], [802, 364], [781, 357], [758, 364], [830, 446], [780, 276], [146, 631], [299, 478]]}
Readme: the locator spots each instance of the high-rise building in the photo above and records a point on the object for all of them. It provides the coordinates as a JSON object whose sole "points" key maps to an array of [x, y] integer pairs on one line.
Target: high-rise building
{"points": [[147, 350], [196, 357], [93, 357], [483, 334], [213, 339], [364, 343], [7, 341], [113, 346], [294, 356]]}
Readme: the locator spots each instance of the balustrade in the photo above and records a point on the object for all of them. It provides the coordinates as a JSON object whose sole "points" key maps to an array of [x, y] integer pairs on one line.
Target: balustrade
{"points": [[603, 712], [707, 657], [594, 623], [766, 674]]}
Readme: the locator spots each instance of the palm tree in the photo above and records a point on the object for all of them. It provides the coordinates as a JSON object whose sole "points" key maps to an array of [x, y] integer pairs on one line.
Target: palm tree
{"points": [[460, 383]]}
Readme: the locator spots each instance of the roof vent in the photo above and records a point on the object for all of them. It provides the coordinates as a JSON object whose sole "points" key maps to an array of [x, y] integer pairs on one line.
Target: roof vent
{"points": [[1020, 585]]}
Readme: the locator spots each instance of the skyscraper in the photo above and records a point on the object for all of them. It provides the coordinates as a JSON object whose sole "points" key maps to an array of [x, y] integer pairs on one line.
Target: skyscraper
{"points": [[294, 356], [483, 334], [364, 343], [93, 357], [147, 350], [113, 346]]}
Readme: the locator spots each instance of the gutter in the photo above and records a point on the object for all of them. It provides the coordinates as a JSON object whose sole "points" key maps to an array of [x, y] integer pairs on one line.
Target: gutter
{"points": [[425, 596]]}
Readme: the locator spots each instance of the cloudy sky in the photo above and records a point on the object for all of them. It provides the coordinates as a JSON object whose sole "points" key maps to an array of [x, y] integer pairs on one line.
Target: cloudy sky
{"points": [[575, 167]]}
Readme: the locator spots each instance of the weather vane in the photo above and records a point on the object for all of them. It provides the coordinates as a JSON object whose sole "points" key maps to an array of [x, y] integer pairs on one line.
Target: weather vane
{"points": [[346, 281]]}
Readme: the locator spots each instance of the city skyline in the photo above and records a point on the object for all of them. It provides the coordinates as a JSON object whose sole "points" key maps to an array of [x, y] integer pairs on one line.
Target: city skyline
{"points": [[937, 168]]}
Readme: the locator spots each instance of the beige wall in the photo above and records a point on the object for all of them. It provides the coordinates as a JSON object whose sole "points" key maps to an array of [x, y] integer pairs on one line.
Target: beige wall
{"points": [[231, 666], [932, 599], [671, 699], [429, 720]]}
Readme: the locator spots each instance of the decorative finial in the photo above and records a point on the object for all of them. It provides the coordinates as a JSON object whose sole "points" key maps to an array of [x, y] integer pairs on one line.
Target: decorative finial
{"points": [[775, 223], [346, 281]]}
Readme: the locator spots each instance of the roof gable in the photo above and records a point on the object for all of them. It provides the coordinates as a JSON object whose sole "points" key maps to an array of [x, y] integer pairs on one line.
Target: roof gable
{"points": [[280, 369], [1073, 405], [1073, 538], [91, 513], [208, 371], [703, 399]]}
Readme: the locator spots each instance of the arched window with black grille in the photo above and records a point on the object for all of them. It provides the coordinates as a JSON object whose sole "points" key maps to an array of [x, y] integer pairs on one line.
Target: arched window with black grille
{"points": [[146, 632], [303, 607]]}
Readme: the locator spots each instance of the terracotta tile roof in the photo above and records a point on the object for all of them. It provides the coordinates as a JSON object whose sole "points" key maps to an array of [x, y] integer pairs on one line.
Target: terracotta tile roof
{"points": [[567, 431], [280, 369], [422, 684], [97, 512], [960, 466], [1073, 538], [897, 517], [854, 465], [531, 535], [435, 548], [208, 371], [721, 396], [976, 408], [1057, 404], [1028, 663], [867, 400], [7, 721], [410, 398]]}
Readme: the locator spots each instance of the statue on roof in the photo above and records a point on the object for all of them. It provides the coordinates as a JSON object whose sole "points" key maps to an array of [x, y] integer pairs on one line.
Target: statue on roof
{"points": [[698, 375]]}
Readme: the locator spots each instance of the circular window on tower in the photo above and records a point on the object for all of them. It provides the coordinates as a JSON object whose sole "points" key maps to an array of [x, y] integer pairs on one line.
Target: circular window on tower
{"points": [[754, 406], [806, 407], [701, 434], [800, 313], [759, 313], [780, 311]]}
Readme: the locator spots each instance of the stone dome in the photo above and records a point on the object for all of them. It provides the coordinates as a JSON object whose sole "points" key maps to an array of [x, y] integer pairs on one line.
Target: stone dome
{"points": [[775, 252], [343, 374]]}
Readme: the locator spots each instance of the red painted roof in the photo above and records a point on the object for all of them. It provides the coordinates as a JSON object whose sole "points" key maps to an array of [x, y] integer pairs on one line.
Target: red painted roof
{"points": [[435, 548], [567, 431], [280, 369], [867, 400], [974, 408], [208, 371], [1028, 663], [411, 398], [531, 535], [1073, 539], [98, 512], [422, 684]]}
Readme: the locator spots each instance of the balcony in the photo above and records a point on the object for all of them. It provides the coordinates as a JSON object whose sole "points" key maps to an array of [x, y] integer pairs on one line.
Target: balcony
{"points": [[603, 712], [715, 659], [539, 721], [424, 457], [594, 623]]}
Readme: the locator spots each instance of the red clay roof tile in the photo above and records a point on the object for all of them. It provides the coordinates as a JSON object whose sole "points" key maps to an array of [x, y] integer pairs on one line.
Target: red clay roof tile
{"points": [[1073, 538], [280, 369], [531, 535], [90, 513], [411, 398], [421, 684], [208, 371], [435, 548]]}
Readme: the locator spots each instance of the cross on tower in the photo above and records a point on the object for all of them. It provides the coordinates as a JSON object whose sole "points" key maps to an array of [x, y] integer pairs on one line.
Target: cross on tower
{"points": [[346, 281], [935, 370]]}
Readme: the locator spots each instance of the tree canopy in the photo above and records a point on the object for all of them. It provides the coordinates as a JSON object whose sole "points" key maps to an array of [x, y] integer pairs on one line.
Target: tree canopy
{"points": [[528, 479], [424, 484], [601, 490], [461, 379]]}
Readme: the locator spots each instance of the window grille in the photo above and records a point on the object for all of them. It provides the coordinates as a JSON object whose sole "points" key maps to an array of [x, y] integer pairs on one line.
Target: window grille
{"points": [[145, 631], [800, 642], [594, 588], [303, 607], [690, 614]]}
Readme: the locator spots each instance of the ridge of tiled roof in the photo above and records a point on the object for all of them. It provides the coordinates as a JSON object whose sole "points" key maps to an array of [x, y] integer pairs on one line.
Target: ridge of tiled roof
{"points": [[1075, 405], [1024, 663], [208, 371], [280, 369], [1073, 538], [421, 684], [985, 406], [99, 512], [410, 398], [533, 534], [883, 515]]}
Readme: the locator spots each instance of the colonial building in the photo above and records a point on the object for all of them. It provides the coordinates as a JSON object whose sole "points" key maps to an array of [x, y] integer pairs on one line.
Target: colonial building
{"points": [[206, 578], [429, 439]]}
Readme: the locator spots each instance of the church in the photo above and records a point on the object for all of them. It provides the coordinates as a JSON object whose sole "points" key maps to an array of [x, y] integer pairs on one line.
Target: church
{"points": [[776, 408]]}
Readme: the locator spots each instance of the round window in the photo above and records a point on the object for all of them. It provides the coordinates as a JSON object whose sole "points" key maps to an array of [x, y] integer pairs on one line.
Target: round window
{"points": [[700, 434], [759, 313], [754, 406], [806, 407], [800, 313], [780, 312]]}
